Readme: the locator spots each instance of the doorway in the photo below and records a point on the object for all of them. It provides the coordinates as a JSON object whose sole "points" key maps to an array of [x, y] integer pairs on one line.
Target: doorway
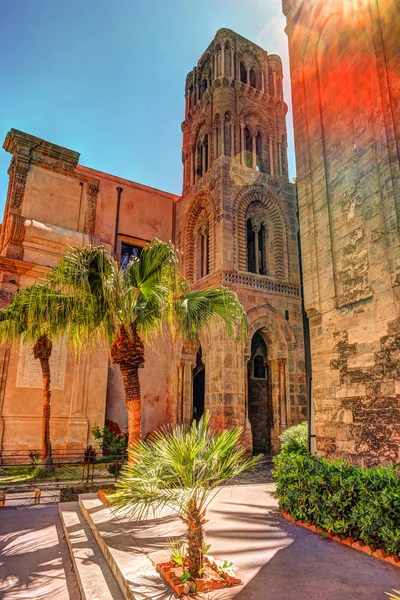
{"points": [[198, 387], [260, 398]]}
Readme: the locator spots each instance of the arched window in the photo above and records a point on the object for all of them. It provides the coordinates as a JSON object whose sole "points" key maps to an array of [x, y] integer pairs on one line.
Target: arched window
{"points": [[202, 246], [259, 367], [248, 148], [243, 73], [227, 61], [201, 155], [253, 78], [256, 241], [202, 87], [217, 61]]}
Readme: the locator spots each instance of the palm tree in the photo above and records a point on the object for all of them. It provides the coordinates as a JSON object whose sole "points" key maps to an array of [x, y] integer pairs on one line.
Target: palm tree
{"points": [[124, 307], [38, 315], [181, 468]]}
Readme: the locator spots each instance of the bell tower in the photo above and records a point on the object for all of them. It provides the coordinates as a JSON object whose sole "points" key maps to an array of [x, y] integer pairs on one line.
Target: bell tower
{"points": [[236, 225]]}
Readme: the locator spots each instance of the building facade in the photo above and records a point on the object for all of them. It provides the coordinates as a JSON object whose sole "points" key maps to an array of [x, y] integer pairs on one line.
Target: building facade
{"points": [[236, 225], [345, 59]]}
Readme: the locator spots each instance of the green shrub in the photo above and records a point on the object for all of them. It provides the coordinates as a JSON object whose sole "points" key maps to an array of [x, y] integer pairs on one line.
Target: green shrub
{"points": [[295, 439], [110, 443], [347, 501]]}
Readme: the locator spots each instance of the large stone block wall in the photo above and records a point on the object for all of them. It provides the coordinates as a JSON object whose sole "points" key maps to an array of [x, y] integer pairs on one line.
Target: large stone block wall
{"points": [[345, 74]]}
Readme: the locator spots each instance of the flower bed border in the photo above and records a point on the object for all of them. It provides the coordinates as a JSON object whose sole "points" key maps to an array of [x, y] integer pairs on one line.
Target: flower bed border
{"points": [[202, 585], [349, 541]]}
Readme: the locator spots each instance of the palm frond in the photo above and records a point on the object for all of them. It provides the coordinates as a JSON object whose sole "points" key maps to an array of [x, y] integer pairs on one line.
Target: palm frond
{"points": [[179, 464], [196, 310]]}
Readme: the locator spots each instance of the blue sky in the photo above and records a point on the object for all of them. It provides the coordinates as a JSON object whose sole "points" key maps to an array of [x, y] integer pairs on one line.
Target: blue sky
{"points": [[106, 77]]}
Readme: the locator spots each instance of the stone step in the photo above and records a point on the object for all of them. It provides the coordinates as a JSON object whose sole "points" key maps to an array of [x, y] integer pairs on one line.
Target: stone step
{"points": [[94, 576], [132, 568]]}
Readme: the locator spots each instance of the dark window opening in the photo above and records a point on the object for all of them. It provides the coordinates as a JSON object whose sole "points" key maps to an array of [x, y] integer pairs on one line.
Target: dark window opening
{"points": [[204, 255], [128, 252], [259, 367], [198, 387], [243, 73], [261, 251], [251, 248]]}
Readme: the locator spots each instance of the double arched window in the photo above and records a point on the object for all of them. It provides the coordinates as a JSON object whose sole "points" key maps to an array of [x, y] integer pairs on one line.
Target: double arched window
{"points": [[256, 247], [201, 155]]}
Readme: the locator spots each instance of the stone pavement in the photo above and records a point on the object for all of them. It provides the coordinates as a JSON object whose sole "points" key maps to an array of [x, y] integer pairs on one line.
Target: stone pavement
{"points": [[34, 559], [277, 560]]}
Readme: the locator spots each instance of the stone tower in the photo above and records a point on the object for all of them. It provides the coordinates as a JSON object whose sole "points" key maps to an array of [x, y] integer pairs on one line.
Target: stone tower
{"points": [[236, 225], [345, 76]]}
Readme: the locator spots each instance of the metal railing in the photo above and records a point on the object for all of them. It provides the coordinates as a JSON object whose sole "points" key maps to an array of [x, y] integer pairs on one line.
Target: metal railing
{"points": [[25, 476]]}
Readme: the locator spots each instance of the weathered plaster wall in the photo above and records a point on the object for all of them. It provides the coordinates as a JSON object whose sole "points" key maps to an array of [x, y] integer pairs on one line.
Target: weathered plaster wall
{"points": [[346, 91], [53, 203]]}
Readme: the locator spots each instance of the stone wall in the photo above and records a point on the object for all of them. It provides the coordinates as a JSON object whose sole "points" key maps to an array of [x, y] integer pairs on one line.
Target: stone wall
{"points": [[344, 60]]}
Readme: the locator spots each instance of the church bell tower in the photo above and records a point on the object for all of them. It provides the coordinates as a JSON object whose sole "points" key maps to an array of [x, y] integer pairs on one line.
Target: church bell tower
{"points": [[236, 225]]}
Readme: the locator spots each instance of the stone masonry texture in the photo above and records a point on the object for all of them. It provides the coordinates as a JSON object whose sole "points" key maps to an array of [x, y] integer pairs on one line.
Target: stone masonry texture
{"points": [[345, 72]]}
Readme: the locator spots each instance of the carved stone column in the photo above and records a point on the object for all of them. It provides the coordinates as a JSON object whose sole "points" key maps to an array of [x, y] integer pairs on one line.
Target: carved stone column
{"points": [[254, 151], [271, 156], [256, 229], [242, 148], [232, 64], [275, 84], [232, 139], [179, 404], [90, 208], [282, 393]]}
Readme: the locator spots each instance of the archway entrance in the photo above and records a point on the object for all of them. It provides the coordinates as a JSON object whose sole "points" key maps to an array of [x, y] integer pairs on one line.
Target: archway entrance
{"points": [[259, 395], [198, 386]]}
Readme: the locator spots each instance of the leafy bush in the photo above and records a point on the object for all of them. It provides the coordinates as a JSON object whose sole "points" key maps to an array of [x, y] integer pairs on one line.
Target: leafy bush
{"points": [[295, 439], [347, 501], [110, 443]]}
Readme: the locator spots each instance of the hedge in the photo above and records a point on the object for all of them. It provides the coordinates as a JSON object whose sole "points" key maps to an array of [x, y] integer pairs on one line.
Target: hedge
{"points": [[340, 498]]}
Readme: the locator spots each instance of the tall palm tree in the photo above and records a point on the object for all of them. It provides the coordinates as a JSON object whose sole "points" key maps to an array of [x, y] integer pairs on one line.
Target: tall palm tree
{"points": [[125, 307], [38, 315], [182, 468]]}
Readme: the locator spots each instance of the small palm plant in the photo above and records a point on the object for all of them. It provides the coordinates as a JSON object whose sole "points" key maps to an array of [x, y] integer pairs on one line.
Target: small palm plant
{"points": [[181, 468]]}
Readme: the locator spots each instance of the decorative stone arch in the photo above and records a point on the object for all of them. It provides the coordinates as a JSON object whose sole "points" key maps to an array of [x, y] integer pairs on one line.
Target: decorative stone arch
{"points": [[257, 121], [202, 124], [268, 323], [203, 206], [278, 229], [263, 317]]}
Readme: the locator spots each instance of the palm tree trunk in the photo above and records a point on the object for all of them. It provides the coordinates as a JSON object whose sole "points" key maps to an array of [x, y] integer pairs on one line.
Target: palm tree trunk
{"points": [[42, 351], [127, 351], [194, 519]]}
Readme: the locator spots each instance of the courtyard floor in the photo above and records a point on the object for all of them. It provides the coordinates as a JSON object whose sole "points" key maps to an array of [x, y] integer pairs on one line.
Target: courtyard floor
{"points": [[277, 560]]}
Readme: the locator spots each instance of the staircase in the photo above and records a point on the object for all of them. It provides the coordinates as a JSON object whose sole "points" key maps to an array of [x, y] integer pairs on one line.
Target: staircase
{"points": [[109, 563]]}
